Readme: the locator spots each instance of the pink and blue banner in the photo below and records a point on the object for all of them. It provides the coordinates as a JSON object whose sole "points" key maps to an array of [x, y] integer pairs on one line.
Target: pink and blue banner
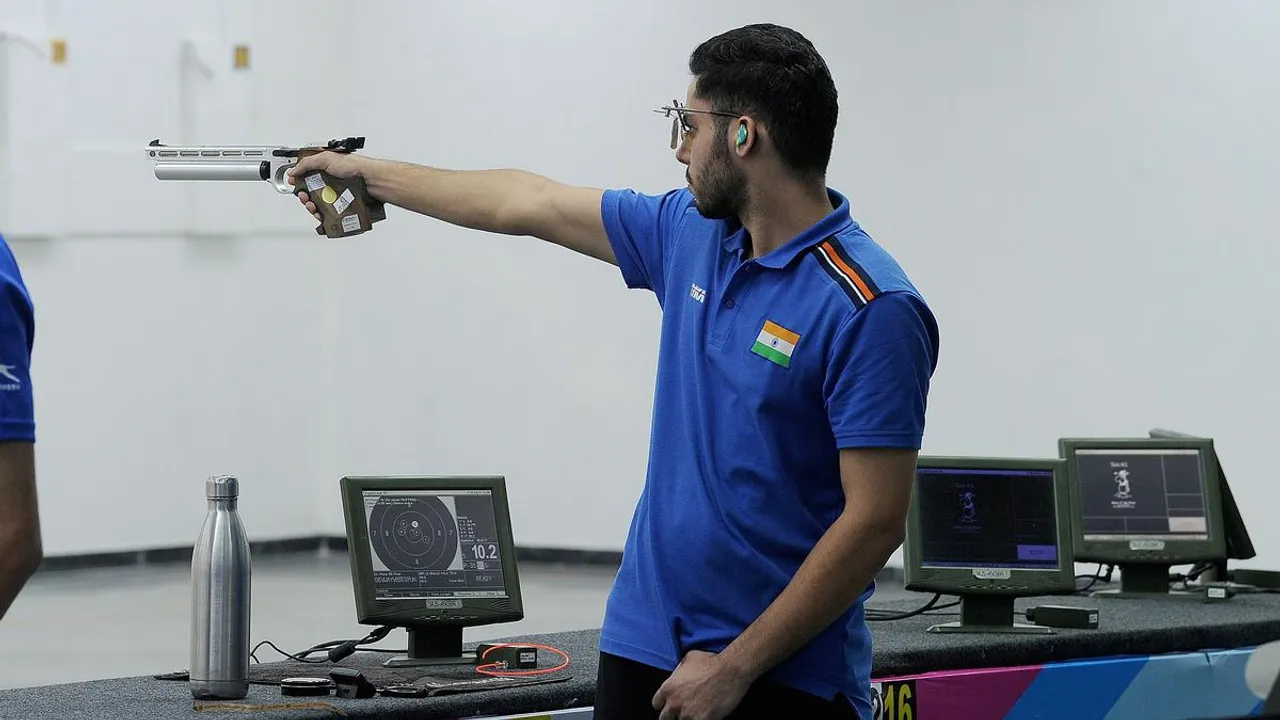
{"points": [[1210, 684]]}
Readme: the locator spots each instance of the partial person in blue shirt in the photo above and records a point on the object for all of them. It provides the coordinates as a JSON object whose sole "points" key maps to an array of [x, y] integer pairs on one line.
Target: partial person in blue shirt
{"points": [[21, 550], [794, 368]]}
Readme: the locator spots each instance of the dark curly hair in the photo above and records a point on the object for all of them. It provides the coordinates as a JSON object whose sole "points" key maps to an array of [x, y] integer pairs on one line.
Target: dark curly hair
{"points": [[775, 75]]}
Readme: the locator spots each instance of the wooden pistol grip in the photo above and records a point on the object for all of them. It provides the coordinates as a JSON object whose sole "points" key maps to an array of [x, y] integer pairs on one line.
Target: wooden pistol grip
{"points": [[346, 208]]}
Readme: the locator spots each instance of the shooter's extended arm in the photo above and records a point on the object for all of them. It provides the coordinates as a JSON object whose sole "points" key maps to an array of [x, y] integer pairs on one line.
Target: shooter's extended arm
{"points": [[345, 206]]}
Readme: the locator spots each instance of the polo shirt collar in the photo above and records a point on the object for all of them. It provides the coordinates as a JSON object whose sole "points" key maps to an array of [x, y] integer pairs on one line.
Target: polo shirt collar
{"points": [[838, 219]]}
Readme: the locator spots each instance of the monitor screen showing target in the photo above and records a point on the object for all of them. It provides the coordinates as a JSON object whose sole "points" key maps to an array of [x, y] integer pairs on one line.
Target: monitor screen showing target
{"points": [[433, 544], [432, 554]]}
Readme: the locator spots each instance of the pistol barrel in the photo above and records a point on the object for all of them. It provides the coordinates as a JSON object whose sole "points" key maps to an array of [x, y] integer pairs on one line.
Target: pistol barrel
{"points": [[181, 170]]}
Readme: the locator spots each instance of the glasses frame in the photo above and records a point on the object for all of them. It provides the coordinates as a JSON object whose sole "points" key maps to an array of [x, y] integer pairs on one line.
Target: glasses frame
{"points": [[680, 129]]}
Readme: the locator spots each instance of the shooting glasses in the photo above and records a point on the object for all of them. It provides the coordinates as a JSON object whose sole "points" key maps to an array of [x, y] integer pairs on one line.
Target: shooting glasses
{"points": [[680, 129]]}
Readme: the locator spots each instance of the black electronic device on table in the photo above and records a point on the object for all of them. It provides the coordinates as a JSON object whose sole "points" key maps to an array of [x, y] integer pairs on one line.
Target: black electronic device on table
{"points": [[1145, 505], [431, 554], [1239, 545], [989, 530]]}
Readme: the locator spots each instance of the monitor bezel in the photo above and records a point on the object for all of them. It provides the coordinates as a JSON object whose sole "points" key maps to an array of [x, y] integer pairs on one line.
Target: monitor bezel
{"points": [[991, 581], [1173, 551], [420, 611]]}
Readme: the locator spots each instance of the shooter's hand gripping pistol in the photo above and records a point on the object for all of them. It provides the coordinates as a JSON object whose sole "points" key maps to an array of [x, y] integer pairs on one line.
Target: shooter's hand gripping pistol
{"points": [[345, 206]]}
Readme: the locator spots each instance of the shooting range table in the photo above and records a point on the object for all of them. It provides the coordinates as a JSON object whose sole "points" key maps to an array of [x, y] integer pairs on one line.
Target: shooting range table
{"points": [[1171, 658]]}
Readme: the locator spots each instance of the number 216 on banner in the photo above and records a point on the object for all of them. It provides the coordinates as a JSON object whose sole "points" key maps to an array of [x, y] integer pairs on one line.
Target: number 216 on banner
{"points": [[894, 700]]}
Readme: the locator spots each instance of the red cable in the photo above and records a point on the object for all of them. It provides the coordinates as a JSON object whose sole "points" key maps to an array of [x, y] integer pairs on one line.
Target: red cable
{"points": [[489, 668]]}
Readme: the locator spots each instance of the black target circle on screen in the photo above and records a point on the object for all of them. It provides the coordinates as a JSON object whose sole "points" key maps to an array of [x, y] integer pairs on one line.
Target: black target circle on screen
{"points": [[413, 534]]}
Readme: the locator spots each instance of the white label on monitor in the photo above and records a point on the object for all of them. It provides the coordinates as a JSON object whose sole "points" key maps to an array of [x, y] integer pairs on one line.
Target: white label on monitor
{"points": [[1146, 544], [443, 603], [1188, 524], [992, 573]]}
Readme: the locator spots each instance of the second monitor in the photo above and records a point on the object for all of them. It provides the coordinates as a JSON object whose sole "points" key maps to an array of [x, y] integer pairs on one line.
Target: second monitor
{"points": [[1145, 505], [989, 530]]}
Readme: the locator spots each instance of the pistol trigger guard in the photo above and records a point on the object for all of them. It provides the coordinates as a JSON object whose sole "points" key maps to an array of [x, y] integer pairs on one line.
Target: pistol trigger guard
{"points": [[281, 179]]}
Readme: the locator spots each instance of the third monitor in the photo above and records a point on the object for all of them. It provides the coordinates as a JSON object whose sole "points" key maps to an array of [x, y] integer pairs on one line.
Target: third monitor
{"points": [[1144, 505]]}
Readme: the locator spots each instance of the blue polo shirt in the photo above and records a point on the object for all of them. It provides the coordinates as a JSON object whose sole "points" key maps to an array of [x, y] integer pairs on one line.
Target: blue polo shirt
{"points": [[767, 367], [17, 333]]}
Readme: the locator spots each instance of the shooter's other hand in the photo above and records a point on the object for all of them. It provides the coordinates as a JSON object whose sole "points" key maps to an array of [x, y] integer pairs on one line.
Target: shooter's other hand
{"points": [[339, 165]]}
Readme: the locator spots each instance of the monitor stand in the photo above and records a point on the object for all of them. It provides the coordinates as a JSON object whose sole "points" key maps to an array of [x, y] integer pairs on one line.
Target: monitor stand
{"points": [[988, 614], [1144, 580], [433, 646], [1216, 572]]}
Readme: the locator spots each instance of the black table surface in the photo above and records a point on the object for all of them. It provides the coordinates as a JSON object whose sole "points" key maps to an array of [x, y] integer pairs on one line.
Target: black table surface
{"points": [[1126, 628]]}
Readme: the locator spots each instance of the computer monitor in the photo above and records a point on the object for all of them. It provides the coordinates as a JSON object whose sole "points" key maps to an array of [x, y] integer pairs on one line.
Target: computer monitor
{"points": [[1144, 504], [432, 555], [989, 530], [1234, 532]]}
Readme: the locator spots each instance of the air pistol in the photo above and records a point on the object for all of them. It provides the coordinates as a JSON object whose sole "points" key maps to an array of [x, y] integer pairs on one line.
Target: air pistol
{"points": [[345, 206]]}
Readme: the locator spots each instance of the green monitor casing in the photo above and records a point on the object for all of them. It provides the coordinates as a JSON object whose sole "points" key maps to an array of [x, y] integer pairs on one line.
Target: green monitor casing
{"points": [[432, 554], [989, 530], [1144, 504]]}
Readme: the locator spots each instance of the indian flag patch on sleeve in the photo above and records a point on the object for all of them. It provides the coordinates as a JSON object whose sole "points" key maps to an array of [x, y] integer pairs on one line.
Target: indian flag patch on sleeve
{"points": [[775, 343]]}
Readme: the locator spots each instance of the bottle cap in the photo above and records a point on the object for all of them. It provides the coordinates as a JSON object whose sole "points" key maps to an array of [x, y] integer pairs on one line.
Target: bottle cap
{"points": [[221, 487]]}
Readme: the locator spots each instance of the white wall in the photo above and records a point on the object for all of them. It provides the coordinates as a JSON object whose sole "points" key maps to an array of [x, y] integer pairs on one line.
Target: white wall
{"points": [[165, 352], [1084, 191]]}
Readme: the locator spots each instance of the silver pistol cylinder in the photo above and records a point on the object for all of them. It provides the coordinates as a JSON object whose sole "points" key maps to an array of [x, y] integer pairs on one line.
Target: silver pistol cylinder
{"points": [[213, 171]]}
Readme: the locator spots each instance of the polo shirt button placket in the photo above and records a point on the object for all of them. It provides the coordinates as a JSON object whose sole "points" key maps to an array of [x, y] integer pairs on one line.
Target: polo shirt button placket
{"points": [[722, 321]]}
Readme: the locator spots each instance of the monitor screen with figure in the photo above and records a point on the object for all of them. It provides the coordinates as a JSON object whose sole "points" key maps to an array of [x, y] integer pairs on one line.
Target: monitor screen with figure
{"points": [[1145, 505], [989, 530], [432, 555]]}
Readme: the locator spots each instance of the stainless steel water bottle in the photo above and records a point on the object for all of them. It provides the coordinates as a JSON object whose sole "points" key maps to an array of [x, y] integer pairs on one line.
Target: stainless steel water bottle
{"points": [[221, 570]]}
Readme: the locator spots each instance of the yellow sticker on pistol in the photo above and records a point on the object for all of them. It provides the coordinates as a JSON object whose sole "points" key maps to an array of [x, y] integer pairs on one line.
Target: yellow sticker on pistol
{"points": [[328, 195]]}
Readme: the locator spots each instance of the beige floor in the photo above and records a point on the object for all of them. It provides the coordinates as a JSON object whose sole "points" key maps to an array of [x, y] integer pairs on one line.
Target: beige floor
{"points": [[69, 626]]}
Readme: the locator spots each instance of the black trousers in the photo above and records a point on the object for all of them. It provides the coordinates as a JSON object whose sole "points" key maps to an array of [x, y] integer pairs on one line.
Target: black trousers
{"points": [[625, 690]]}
